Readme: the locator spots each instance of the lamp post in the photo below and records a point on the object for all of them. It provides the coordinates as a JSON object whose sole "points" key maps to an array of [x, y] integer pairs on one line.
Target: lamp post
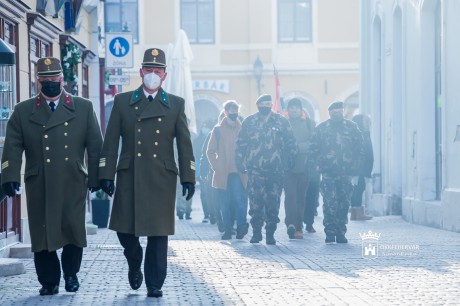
{"points": [[258, 68]]}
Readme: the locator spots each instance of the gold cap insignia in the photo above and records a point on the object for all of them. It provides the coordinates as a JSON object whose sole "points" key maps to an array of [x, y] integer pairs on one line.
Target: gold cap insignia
{"points": [[47, 62], [154, 52]]}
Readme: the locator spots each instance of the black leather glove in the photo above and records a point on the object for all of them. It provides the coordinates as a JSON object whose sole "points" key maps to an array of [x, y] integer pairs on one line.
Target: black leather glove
{"points": [[108, 186], [10, 188], [188, 188], [94, 189]]}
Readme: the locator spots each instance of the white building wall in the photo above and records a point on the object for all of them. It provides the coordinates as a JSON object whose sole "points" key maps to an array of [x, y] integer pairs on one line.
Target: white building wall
{"points": [[398, 89]]}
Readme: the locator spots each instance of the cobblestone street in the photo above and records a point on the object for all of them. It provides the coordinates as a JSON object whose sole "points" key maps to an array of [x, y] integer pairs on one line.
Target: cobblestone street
{"points": [[415, 265]]}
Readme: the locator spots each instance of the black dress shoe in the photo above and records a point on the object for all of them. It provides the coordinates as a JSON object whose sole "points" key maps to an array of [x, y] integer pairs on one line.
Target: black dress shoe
{"points": [[135, 279], [71, 283], [49, 290], [154, 292]]}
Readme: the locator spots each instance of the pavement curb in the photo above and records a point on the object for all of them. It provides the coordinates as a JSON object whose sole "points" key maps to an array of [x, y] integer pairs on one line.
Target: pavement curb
{"points": [[11, 266]]}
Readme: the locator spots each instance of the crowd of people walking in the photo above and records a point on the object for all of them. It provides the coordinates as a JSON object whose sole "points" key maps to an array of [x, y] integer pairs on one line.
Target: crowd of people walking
{"points": [[248, 163]]}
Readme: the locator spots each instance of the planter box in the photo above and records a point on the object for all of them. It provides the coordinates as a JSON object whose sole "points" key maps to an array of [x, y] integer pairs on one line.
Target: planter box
{"points": [[100, 210]]}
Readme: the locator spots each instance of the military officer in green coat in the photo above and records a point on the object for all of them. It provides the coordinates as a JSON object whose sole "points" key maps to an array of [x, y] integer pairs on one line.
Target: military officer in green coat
{"points": [[147, 120], [54, 129]]}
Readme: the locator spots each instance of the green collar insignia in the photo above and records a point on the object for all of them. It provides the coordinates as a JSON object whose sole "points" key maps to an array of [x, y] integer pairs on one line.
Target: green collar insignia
{"points": [[136, 97], [164, 98]]}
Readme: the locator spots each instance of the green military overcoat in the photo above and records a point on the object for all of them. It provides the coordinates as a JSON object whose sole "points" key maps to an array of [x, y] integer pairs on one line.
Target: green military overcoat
{"points": [[146, 171], [56, 176]]}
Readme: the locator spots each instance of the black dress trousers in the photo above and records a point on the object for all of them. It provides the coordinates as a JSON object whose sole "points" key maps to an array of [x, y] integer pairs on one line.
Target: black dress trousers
{"points": [[48, 267], [156, 257]]}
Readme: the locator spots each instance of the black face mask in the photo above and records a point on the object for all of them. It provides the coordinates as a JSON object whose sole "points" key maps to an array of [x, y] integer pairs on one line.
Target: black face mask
{"points": [[336, 117], [232, 116], [51, 89], [264, 110]]}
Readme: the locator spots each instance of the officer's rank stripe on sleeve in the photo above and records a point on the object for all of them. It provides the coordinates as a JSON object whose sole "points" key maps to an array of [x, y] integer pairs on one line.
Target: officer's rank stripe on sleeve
{"points": [[102, 162], [5, 165], [192, 165]]}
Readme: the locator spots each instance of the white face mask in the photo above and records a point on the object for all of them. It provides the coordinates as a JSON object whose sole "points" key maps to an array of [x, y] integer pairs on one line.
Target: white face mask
{"points": [[152, 81]]}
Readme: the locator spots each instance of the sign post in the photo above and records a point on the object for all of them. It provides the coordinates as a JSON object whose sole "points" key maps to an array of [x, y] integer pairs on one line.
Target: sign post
{"points": [[119, 50]]}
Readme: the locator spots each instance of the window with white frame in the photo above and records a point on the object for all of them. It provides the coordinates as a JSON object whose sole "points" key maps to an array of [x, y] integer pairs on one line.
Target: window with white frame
{"points": [[294, 21], [197, 20]]}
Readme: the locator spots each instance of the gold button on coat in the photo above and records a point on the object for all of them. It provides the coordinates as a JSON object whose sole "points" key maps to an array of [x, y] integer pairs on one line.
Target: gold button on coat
{"points": [[47, 148], [65, 134], [159, 119], [46, 136], [154, 156], [158, 131], [139, 130], [139, 154], [66, 124], [156, 143], [48, 160]]}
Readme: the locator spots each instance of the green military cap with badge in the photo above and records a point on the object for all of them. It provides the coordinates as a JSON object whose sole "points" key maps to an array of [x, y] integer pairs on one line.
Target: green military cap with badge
{"points": [[48, 66], [154, 57]]}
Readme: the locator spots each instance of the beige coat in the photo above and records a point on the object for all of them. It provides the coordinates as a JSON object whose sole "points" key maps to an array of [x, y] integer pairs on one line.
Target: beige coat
{"points": [[56, 177], [146, 171], [221, 152]]}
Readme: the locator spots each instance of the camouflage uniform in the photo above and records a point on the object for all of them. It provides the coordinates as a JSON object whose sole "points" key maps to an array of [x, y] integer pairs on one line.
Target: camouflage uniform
{"points": [[263, 148], [337, 150]]}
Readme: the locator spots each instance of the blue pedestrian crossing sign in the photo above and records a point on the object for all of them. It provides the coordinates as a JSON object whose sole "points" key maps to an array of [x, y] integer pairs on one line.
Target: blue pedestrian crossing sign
{"points": [[118, 50]]}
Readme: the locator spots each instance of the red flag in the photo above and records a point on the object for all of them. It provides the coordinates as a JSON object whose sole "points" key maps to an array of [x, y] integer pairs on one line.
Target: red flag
{"points": [[277, 108]]}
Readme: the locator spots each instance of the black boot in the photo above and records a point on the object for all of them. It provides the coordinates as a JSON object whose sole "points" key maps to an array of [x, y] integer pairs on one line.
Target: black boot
{"points": [[270, 238], [227, 235], [330, 239], [256, 236], [341, 239], [242, 230]]}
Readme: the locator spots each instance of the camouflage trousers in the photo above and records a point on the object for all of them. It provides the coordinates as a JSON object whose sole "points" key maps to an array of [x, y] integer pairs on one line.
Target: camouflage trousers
{"points": [[264, 192], [336, 192]]}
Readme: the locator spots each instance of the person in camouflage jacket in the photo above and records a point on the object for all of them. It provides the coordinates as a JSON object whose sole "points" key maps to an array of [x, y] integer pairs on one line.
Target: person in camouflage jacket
{"points": [[265, 148], [336, 150]]}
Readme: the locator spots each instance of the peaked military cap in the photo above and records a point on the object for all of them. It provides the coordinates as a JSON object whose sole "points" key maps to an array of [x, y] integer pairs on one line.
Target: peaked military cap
{"points": [[49, 66], [154, 57], [335, 105], [264, 98]]}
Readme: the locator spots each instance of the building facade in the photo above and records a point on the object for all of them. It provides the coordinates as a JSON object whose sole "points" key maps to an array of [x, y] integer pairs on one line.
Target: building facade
{"points": [[409, 68], [236, 45], [32, 29]]}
